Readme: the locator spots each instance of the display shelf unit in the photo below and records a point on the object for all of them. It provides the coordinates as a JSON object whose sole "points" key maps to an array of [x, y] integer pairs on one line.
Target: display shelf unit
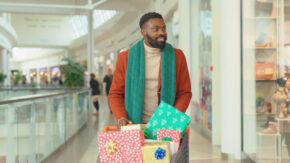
{"points": [[276, 140], [265, 24]]}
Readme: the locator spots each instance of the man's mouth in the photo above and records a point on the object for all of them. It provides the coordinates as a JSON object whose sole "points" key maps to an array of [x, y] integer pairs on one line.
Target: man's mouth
{"points": [[161, 39]]}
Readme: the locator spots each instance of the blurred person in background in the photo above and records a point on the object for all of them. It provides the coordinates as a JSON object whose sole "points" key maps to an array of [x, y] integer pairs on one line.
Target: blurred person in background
{"points": [[108, 80], [94, 84], [23, 80]]}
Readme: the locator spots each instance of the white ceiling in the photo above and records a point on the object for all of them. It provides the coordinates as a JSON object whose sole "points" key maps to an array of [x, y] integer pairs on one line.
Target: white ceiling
{"points": [[45, 23], [58, 2], [70, 6]]}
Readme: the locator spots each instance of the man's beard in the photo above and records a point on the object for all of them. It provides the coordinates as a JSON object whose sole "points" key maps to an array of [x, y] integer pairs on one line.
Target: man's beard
{"points": [[154, 43]]}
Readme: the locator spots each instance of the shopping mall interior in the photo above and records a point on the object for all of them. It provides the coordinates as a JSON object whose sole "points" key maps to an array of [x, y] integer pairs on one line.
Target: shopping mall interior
{"points": [[236, 51]]}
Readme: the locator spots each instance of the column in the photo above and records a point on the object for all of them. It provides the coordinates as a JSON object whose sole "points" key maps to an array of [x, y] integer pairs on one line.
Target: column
{"points": [[90, 43], [194, 57], [5, 66], [230, 50], [48, 75], [216, 73], [11, 137], [90, 47], [184, 28], [1, 61]]}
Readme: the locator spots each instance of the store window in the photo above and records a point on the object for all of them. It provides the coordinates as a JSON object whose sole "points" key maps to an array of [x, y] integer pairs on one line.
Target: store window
{"points": [[203, 107], [172, 29], [266, 58]]}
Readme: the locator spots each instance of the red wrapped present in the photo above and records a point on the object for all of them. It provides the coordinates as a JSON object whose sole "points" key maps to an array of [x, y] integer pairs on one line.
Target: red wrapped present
{"points": [[121, 146], [109, 129], [173, 135]]}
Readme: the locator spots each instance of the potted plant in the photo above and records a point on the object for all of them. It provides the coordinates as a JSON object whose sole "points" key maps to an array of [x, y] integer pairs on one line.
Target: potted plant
{"points": [[16, 78], [2, 78], [73, 72]]}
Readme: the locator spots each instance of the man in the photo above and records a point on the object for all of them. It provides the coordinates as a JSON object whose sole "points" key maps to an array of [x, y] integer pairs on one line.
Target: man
{"points": [[108, 80], [94, 84], [150, 71]]}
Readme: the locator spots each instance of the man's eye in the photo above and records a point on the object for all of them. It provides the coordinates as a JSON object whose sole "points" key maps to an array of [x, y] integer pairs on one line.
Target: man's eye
{"points": [[155, 29]]}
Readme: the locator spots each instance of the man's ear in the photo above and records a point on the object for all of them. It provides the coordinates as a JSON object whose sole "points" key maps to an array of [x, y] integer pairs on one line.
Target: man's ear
{"points": [[143, 32]]}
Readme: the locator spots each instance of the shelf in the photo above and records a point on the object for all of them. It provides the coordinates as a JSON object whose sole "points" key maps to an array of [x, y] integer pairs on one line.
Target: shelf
{"points": [[270, 134], [264, 114], [283, 119], [258, 48], [265, 48], [262, 18], [266, 80]]}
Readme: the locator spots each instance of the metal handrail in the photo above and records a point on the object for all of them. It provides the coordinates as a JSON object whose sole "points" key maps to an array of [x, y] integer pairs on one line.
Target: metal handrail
{"points": [[38, 96], [39, 89]]}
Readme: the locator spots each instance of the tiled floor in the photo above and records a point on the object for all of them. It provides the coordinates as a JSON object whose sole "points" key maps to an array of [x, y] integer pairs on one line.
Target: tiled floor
{"points": [[83, 147]]}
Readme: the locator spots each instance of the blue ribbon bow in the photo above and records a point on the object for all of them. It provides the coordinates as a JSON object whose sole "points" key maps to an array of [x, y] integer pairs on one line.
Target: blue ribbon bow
{"points": [[160, 153]]}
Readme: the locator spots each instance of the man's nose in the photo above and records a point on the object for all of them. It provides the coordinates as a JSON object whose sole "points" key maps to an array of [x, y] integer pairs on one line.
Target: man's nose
{"points": [[162, 32]]}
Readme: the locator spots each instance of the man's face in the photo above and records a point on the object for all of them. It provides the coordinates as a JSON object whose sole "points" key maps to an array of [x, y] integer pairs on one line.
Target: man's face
{"points": [[109, 72], [154, 33]]}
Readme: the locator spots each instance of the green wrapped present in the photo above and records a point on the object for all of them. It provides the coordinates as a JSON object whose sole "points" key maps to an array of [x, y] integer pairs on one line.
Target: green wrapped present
{"points": [[167, 117]]}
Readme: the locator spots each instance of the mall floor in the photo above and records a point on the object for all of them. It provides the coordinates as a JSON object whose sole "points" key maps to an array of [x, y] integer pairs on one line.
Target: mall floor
{"points": [[83, 148]]}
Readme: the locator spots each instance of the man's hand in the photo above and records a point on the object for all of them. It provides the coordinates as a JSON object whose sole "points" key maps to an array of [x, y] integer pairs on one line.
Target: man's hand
{"points": [[123, 122]]}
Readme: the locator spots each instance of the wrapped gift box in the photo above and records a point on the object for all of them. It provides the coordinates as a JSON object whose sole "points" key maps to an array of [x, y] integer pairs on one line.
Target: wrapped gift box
{"points": [[174, 135], [173, 147], [109, 129], [135, 127], [170, 135], [156, 152], [121, 146], [167, 117]]}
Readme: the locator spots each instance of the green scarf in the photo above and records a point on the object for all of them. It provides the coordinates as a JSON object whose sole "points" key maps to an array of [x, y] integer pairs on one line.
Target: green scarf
{"points": [[135, 80]]}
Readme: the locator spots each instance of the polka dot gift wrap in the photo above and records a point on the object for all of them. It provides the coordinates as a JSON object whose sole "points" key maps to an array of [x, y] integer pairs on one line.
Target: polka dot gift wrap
{"points": [[121, 146], [173, 134]]}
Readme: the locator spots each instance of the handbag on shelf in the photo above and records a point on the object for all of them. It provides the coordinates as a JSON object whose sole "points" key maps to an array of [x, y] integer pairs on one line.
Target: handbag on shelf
{"points": [[265, 71], [265, 8]]}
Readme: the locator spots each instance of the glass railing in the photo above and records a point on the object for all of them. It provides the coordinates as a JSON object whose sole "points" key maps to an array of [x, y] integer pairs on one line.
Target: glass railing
{"points": [[33, 127], [33, 86], [6, 94], [11, 92]]}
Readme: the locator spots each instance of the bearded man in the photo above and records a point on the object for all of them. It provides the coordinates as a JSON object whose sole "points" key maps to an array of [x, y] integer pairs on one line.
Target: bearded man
{"points": [[150, 71]]}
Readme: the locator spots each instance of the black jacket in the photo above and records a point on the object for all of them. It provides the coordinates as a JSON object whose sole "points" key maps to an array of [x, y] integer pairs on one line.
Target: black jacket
{"points": [[108, 80], [95, 87]]}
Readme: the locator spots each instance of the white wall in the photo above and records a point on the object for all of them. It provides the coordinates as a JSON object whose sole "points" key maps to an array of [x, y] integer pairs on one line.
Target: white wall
{"points": [[42, 30]]}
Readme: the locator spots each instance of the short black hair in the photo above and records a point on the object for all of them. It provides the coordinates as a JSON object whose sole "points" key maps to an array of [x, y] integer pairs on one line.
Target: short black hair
{"points": [[148, 16], [281, 82]]}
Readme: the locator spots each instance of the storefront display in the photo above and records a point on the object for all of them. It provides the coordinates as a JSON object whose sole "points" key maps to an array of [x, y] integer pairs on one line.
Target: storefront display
{"points": [[33, 76], [55, 75], [43, 73], [202, 109], [265, 58]]}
